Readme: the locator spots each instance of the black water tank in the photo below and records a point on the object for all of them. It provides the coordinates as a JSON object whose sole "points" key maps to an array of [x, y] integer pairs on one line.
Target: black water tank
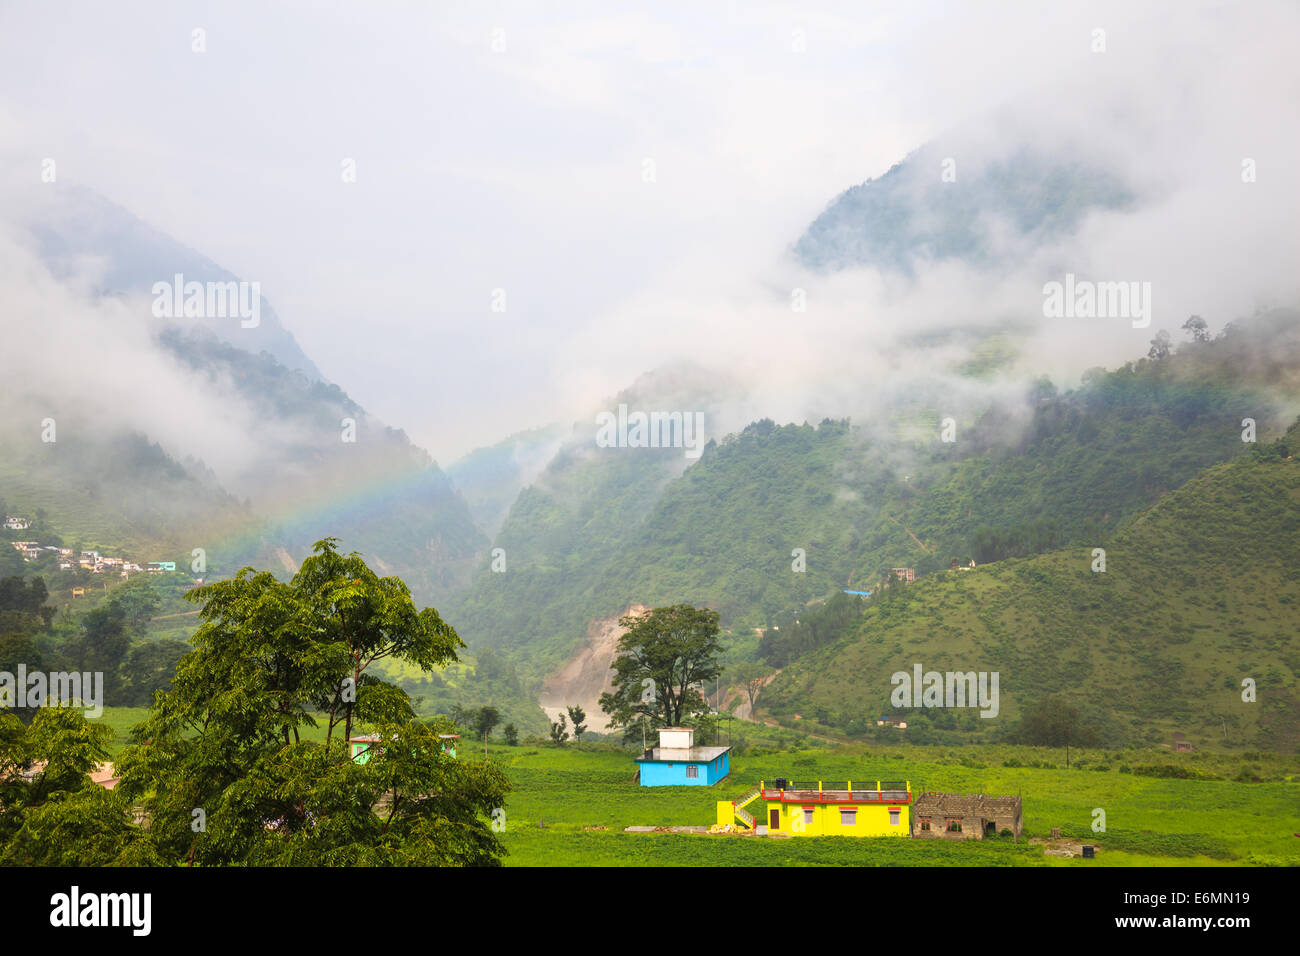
{"points": [[782, 783]]}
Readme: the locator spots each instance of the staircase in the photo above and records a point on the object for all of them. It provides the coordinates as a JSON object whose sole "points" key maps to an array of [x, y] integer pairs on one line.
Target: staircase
{"points": [[742, 814]]}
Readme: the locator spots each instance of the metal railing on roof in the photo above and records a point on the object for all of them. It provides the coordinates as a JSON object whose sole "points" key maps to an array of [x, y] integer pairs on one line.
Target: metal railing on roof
{"points": [[848, 791]]}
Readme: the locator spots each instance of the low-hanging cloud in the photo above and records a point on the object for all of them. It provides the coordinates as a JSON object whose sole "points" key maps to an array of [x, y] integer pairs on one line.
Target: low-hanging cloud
{"points": [[523, 169]]}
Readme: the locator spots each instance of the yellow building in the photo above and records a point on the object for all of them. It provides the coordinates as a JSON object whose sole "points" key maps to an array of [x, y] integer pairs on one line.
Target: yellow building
{"points": [[864, 808]]}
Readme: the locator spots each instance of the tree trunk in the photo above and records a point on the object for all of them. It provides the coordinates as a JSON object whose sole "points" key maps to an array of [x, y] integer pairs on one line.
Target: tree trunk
{"points": [[356, 679]]}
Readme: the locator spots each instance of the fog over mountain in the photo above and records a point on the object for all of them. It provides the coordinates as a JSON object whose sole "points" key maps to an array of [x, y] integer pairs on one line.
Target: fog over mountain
{"points": [[387, 282], [861, 265]]}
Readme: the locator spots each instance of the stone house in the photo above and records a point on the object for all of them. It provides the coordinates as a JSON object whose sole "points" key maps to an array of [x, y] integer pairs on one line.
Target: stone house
{"points": [[954, 816]]}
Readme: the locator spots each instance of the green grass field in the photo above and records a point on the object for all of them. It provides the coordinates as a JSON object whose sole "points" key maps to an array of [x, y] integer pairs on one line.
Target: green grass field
{"points": [[563, 796]]}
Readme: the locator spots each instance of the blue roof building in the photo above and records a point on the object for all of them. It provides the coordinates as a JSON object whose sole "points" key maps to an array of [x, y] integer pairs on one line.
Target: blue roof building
{"points": [[677, 762]]}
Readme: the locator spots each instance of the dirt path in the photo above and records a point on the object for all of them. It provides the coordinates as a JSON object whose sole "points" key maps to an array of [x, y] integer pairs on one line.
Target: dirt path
{"points": [[909, 533], [766, 722]]}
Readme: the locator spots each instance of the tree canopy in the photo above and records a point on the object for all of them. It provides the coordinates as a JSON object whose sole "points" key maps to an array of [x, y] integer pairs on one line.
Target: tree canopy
{"points": [[662, 657], [220, 770]]}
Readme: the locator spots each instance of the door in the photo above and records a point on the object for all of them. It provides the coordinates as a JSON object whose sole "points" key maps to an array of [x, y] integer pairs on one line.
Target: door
{"points": [[774, 819]]}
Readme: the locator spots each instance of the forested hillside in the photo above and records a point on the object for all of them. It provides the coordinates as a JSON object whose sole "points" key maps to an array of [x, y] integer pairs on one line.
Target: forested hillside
{"points": [[1199, 592], [568, 526], [604, 529]]}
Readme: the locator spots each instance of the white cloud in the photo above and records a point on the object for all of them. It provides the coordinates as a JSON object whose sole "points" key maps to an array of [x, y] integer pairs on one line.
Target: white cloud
{"points": [[522, 170]]}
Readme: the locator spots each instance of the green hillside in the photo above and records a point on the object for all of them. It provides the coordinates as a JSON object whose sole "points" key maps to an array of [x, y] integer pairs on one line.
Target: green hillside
{"points": [[1200, 591], [123, 495], [568, 526], [605, 529]]}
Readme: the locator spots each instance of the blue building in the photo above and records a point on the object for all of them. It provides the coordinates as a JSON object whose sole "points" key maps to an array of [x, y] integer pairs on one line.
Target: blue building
{"points": [[677, 762]]}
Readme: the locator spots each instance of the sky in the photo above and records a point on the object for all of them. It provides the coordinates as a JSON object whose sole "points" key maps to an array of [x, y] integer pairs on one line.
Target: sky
{"points": [[505, 146]]}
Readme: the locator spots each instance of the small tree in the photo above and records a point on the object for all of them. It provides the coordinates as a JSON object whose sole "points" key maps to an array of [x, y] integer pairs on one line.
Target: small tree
{"points": [[1055, 722], [558, 733], [485, 718], [1160, 346], [511, 733], [1197, 329], [750, 677], [577, 715]]}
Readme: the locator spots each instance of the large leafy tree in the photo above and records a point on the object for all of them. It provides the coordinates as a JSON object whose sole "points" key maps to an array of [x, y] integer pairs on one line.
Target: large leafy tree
{"points": [[362, 618], [221, 766], [661, 658], [51, 813]]}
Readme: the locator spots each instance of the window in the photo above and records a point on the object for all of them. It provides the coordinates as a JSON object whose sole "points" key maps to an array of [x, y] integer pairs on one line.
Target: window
{"points": [[954, 825], [893, 816], [692, 772], [807, 815], [848, 816], [925, 823]]}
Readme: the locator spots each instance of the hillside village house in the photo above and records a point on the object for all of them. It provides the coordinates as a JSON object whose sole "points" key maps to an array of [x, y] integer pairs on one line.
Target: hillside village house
{"points": [[868, 808], [865, 808], [952, 816], [91, 561], [678, 762], [15, 523]]}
